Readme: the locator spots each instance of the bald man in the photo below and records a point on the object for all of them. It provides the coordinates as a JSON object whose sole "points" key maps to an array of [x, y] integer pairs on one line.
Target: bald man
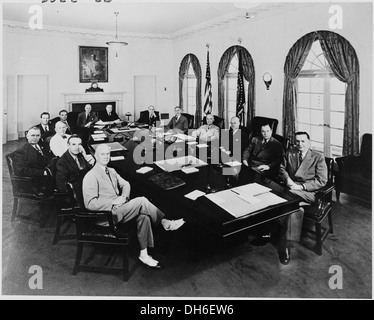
{"points": [[105, 189], [208, 131]]}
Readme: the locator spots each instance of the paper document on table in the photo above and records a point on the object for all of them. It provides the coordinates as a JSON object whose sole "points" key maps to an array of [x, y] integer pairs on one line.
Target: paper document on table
{"points": [[194, 194], [188, 170], [202, 145], [184, 137], [98, 131], [114, 146], [233, 163], [174, 164], [118, 130], [251, 189], [117, 158], [144, 170], [98, 136], [191, 143], [241, 205], [98, 127]]}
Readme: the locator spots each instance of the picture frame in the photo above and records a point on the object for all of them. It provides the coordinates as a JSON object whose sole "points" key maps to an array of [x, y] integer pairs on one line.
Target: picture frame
{"points": [[93, 64]]}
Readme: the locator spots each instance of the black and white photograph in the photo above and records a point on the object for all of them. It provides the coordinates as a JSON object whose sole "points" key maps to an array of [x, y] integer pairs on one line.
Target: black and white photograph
{"points": [[187, 150]]}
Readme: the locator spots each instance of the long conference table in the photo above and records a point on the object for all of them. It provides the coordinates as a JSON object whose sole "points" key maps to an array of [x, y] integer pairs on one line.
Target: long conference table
{"points": [[201, 213]]}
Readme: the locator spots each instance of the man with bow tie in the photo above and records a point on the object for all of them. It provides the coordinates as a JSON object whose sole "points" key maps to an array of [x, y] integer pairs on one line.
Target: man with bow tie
{"points": [[104, 189], [178, 123], [264, 154], [304, 172], [59, 142], [31, 160]]}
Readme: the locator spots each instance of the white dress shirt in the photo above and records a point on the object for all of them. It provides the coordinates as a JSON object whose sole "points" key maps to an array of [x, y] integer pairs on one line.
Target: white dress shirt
{"points": [[58, 144]]}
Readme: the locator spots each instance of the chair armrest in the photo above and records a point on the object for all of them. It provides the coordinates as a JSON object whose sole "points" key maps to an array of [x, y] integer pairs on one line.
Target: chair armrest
{"points": [[94, 214], [21, 178], [324, 199]]}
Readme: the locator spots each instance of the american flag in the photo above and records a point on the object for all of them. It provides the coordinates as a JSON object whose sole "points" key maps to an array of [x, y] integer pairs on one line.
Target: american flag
{"points": [[208, 89], [240, 93]]}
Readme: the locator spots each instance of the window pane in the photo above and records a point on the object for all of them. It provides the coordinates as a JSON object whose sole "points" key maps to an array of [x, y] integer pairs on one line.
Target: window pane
{"points": [[316, 85], [303, 100], [337, 120], [316, 117], [316, 101], [336, 151], [232, 81], [303, 84], [303, 115], [303, 127], [336, 137], [336, 86], [232, 95], [316, 134], [318, 146], [337, 102]]}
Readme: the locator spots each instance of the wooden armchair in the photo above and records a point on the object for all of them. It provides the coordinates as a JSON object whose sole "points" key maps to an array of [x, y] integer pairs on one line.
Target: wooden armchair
{"points": [[97, 227], [316, 213], [354, 172]]}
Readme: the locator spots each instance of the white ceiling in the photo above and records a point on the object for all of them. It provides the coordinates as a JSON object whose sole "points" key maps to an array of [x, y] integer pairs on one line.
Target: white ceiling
{"points": [[152, 17]]}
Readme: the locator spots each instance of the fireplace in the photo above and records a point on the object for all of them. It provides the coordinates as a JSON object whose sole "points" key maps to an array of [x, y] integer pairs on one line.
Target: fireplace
{"points": [[98, 100]]}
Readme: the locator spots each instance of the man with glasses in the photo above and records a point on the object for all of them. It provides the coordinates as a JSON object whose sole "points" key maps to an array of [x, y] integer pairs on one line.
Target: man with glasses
{"points": [[149, 116]]}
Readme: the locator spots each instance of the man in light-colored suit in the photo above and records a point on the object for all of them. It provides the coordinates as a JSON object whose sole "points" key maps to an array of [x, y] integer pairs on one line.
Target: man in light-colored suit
{"points": [[105, 189], [305, 172]]}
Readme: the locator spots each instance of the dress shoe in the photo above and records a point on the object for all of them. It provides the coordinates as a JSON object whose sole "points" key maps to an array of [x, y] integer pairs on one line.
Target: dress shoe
{"points": [[151, 263], [285, 256], [172, 225], [261, 240]]}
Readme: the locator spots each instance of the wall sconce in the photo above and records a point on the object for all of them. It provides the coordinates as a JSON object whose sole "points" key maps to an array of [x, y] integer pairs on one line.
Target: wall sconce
{"points": [[267, 79]]}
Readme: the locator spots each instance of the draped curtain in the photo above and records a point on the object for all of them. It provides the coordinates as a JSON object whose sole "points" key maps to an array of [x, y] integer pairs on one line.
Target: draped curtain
{"points": [[248, 73], [344, 63], [183, 69]]}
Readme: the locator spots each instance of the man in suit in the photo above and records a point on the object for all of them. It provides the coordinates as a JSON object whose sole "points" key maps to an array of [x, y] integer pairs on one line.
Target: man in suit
{"points": [[264, 154], [63, 114], [178, 123], [105, 189], [304, 172], [238, 140], [31, 160], [109, 115], [59, 142], [207, 132], [149, 116], [87, 118], [45, 126], [73, 165]]}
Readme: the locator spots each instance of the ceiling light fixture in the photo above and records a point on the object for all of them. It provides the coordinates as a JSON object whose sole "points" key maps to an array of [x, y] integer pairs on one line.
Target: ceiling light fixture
{"points": [[247, 6], [116, 45]]}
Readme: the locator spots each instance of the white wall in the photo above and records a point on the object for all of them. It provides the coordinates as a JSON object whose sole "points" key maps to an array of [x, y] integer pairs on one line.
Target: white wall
{"points": [[269, 40]]}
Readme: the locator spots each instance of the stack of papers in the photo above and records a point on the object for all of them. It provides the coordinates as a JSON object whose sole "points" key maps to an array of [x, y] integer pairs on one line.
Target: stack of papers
{"points": [[194, 194], [175, 164], [144, 170], [191, 143], [117, 158], [188, 170], [98, 137], [202, 145]]}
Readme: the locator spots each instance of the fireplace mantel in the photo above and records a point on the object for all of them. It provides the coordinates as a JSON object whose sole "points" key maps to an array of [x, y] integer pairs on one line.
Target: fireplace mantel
{"points": [[92, 97]]}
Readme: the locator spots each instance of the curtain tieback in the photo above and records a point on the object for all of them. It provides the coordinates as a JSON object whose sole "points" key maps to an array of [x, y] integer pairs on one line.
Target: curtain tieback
{"points": [[351, 77]]}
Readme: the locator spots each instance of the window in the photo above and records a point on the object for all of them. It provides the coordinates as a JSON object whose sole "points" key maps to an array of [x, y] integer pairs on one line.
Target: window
{"points": [[321, 104], [190, 91], [231, 80]]}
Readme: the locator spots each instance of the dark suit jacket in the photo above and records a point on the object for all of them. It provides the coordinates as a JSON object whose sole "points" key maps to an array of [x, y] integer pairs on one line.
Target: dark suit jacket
{"points": [[67, 171], [271, 154], [312, 172], [46, 134], [70, 125], [181, 124], [29, 162], [240, 135], [144, 117], [103, 116], [82, 121]]}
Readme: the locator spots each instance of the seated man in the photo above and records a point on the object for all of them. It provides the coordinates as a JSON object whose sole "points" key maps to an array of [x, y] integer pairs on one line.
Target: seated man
{"points": [[305, 172], [238, 140], [105, 189], [63, 114], [59, 142], [178, 123], [109, 115], [264, 154], [87, 118], [73, 165], [207, 132], [45, 126], [32, 161], [149, 117]]}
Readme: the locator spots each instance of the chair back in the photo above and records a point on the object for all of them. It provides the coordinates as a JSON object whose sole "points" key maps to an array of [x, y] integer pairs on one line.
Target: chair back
{"points": [[75, 196], [190, 119], [10, 161], [258, 122], [219, 122], [284, 141]]}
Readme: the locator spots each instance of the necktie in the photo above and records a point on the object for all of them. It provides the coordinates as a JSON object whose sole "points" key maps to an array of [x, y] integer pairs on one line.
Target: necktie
{"points": [[78, 163], [300, 158], [67, 125], [38, 149], [107, 173], [87, 116], [264, 144], [64, 137], [46, 128]]}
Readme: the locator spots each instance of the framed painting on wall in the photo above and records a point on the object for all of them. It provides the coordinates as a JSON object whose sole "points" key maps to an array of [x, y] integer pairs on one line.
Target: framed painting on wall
{"points": [[93, 64]]}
